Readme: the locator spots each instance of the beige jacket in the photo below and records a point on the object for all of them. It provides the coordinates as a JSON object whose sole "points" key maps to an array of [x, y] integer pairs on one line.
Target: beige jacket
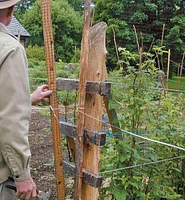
{"points": [[15, 109]]}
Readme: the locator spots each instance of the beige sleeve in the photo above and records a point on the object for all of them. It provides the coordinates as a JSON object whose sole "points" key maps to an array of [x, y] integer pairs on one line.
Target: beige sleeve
{"points": [[15, 111]]}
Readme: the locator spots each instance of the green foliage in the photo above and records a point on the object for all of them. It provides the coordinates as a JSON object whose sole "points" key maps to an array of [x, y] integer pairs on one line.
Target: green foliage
{"points": [[38, 76], [177, 83], [76, 4], [67, 28], [132, 166], [148, 17], [36, 53], [21, 7], [67, 71], [176, 35], [37, 73]]}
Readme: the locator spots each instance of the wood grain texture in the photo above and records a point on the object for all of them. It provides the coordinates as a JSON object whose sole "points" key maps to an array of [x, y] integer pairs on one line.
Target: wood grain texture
{"points": [[96, 71]]}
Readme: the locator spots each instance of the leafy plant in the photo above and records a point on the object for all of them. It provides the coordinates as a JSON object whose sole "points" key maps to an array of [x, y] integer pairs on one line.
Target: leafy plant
{"points": [[137, 168]]}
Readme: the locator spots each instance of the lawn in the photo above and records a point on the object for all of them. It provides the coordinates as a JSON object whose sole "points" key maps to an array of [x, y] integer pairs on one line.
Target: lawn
{"points": [[177, 83]]}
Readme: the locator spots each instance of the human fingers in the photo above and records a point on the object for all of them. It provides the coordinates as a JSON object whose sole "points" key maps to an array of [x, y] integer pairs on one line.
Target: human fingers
{"points": [[34, 193], [31, 195], [45, 100], [23, 194], [44, 87], [46, 93], [26, 195]]}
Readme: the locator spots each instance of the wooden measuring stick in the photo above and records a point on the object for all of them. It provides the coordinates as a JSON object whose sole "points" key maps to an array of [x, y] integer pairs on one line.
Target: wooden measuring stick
{"points": [[51, 72]]}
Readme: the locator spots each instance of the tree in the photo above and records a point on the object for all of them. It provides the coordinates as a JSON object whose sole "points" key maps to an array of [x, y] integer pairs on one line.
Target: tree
{"points": [[67, 26], [21, 7], [148, 17], [76, 4]]}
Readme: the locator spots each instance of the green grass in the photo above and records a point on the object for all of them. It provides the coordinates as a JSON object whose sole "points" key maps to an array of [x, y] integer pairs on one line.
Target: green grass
{"points": [[177, 83]]}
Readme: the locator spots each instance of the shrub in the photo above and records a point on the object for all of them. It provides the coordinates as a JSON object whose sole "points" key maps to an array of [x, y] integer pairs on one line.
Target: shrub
{"points": [[136, 170], [36, 53]]}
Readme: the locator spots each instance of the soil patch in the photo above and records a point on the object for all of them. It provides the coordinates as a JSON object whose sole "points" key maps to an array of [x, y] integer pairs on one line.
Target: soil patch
{"points": [[42, 160]]}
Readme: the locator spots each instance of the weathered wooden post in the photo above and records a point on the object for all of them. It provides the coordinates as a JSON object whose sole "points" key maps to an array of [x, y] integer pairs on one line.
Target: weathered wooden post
{"points": [[81, 105], [96, 71], [51, 72], [88, 134]]}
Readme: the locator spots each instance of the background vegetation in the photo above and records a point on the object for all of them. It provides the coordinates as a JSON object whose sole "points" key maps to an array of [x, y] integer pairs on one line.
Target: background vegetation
{"points": [[134, 166], [153, 19]]}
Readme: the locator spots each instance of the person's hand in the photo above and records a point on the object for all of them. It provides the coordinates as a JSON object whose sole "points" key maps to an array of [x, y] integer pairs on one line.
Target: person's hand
{"points": [[26, 189], [40, 94]]}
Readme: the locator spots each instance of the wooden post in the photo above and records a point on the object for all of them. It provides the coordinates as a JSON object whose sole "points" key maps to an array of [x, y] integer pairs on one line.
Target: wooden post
{"points": [[51, 72], [81, 105], [112, 115], [168, 70], [19, 35], [96, 71]]}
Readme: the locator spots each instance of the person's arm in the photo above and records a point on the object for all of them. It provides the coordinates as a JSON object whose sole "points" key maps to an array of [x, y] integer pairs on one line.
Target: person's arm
{"points": [[15, 113], [40, 94]]}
